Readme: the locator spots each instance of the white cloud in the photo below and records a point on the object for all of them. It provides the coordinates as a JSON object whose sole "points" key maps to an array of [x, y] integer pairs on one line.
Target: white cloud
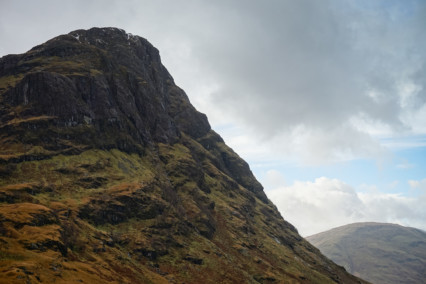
{"points": [[399, 143], [415, 117], [326, 203], [405, 165], [418, 184], [304, 146], [273, 179]]}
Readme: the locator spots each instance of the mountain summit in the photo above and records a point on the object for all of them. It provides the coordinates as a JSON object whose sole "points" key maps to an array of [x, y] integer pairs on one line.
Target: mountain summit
{"points": [[109, 175]]}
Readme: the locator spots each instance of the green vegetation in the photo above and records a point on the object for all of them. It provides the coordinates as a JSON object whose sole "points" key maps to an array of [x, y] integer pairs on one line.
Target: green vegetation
{"points": [[10, 81], [90, 193]]}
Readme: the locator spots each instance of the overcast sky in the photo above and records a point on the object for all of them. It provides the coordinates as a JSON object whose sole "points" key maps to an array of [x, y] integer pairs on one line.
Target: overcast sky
{"points": [[325, 99]]}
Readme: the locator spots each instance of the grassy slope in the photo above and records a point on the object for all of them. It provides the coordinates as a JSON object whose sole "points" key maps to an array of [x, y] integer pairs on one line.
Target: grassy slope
{"points": [[380, 253], [46, 237]]}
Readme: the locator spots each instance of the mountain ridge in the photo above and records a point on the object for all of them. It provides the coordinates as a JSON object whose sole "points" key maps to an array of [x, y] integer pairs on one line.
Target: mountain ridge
{"points": [[110, 174], [377, 252]]}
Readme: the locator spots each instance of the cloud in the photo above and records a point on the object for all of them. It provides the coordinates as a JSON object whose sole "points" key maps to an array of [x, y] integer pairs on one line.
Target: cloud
{"points": [[325, 80], [303, 146], [418, 184], [273, 178], [405, 165], [322, 204]]}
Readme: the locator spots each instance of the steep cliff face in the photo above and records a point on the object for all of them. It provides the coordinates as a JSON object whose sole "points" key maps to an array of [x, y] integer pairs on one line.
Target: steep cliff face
{"points": [[109, 174]]}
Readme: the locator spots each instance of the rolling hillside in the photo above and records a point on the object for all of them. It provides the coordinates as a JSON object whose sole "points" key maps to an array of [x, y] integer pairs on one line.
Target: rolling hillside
{"points": [[380, 253]]}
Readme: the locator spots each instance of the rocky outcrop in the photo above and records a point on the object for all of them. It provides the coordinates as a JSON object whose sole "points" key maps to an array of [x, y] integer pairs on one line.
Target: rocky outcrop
{"points": [[104, 80]]}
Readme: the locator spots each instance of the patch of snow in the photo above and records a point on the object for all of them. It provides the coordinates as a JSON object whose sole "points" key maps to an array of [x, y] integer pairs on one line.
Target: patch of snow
{"points": [[130, 36], [77, 37]]}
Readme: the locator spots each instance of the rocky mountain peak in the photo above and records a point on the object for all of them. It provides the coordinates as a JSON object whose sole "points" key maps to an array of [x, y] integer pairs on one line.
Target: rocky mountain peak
{"points": [[105, 78], [131, 51], [109, 174]]}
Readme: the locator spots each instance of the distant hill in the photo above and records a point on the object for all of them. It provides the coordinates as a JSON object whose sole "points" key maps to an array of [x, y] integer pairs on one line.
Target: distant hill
{"points": [[377, 252]]}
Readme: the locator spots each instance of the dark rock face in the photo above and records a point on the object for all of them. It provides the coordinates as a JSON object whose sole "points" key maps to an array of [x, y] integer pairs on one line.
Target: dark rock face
{"points": [[122, 88], [127, 180]]}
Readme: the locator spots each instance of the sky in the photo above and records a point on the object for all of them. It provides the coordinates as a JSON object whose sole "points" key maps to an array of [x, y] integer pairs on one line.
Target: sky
{"points": [[325, 100]]}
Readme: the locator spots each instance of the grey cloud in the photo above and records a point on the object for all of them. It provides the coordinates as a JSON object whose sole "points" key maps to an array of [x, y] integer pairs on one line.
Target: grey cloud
{"points": [[315, 64]]}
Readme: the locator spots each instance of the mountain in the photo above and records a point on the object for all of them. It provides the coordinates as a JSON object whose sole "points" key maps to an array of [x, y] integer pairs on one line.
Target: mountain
{"points": [[380, 253], [110, 175]]}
